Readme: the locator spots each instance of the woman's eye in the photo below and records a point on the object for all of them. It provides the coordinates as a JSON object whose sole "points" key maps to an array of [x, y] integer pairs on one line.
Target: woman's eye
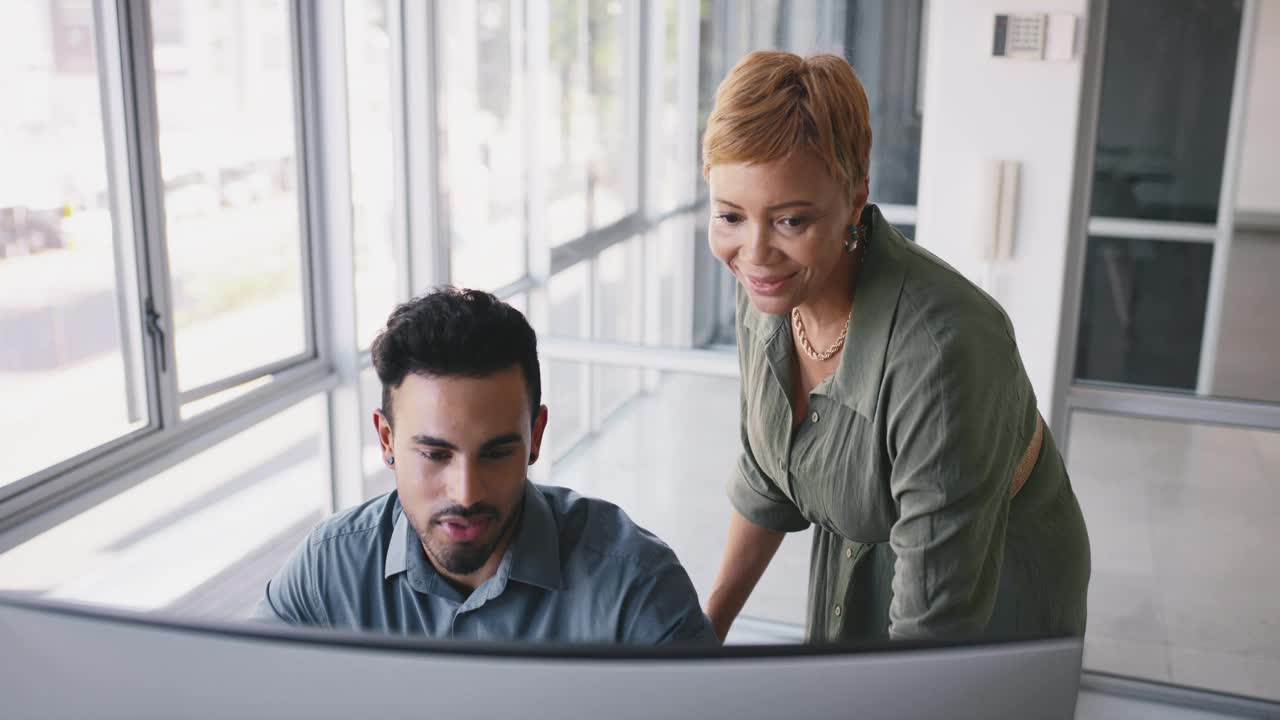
{"points": [[795, 223], [730, 218]]}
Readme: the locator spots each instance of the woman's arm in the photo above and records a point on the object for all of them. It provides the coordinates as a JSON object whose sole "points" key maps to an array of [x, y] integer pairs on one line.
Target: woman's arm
{"points": [[747, 553]]}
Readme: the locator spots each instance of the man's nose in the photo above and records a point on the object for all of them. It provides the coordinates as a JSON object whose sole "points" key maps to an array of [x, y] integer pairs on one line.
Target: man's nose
{"points": [[465, 485]]}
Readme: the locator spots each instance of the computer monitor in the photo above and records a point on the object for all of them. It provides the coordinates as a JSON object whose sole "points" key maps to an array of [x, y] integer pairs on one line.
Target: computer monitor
{"points": [[65, 660]]}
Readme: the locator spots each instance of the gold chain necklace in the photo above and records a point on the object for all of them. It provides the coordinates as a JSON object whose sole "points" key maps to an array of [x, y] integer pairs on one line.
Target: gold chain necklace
{"points": [[859, 246], [804, 339]]}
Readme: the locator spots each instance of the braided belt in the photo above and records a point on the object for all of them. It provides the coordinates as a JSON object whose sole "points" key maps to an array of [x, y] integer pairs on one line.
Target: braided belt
{"points": [[1029, 458]]}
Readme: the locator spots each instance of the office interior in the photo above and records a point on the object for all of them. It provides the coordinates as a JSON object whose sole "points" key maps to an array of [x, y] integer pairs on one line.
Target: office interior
{"points": [[209, 207]]}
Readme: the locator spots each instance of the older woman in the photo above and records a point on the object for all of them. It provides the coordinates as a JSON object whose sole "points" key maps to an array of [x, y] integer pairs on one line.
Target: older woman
{"points": [[883, 397]]}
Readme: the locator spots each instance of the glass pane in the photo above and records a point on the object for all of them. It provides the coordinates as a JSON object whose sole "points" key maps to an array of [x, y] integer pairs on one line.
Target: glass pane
{"points": [[200, 539], [1182, 523], [589, 144], [672, 483], [883, 44], [1166, 98], [224, 95], [370, 134], [667, 317], [68, 295], [673, 168], [1246, 363], [1142, 311], [482, 138], [618, 315], [611, 169], [565, 384]]}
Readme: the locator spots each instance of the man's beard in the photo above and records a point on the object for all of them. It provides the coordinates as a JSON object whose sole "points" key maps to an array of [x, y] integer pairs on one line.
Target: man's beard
{"points": [[464, 558]]}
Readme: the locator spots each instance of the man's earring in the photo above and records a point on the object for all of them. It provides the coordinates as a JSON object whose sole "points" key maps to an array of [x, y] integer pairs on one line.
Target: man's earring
{"points": [[391, 461], [854, 239]]}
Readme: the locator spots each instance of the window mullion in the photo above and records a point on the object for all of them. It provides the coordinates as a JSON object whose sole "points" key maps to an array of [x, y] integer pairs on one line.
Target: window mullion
{"points": [[405, 287], [140, 393], [428, 241], [321, 59], [147, 213]]}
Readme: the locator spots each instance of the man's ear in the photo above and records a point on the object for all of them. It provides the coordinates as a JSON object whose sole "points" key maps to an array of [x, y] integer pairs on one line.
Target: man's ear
{"points": [[535, 440], [382, 426]]}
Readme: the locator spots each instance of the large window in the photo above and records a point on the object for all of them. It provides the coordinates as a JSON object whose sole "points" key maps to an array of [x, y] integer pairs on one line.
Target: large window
{"points": [[71, 368], [157, 280]]}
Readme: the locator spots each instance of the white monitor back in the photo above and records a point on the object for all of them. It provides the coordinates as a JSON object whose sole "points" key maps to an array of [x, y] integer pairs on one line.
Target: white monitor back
{"points": [[62, 660]]}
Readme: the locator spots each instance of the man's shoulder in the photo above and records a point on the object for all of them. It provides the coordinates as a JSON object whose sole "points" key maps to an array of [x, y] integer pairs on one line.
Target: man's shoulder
{"points": [[367, 522], [598, 529]]}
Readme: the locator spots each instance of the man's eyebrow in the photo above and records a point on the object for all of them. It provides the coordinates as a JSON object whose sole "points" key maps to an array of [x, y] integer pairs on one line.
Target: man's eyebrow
{"points": [[434, 442], [505, 439]]}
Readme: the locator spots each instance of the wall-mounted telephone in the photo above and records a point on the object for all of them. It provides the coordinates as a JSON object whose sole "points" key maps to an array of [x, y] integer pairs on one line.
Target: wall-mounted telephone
{"points": [[997, 207]]}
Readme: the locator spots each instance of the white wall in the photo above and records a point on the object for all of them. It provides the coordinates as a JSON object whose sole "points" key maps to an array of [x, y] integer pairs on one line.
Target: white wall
{"points": [[1258, 190], [979, 108]]}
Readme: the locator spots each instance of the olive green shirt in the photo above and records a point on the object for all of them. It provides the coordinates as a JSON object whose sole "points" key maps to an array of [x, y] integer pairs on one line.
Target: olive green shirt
{"points": [[905, 461]]}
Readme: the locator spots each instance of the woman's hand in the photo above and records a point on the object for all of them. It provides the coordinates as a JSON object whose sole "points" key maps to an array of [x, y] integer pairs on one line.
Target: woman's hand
{"points": [[747, 553]]}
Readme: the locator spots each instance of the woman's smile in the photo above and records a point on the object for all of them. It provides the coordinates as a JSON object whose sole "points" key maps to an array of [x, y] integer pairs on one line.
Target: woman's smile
{"points": [[768, 284]]}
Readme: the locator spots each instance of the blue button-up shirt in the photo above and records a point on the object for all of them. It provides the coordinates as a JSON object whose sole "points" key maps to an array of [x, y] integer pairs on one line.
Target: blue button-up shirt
{"points": [[578, 570]]}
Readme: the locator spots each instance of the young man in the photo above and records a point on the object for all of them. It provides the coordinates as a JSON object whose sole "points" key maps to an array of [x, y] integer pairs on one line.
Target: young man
{"points": [[466, 546]]}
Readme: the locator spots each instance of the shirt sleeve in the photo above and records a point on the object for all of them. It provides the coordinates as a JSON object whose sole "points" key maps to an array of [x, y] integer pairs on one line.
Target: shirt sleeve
{"points": [[292, 596], [664, 606], [954, 438]]}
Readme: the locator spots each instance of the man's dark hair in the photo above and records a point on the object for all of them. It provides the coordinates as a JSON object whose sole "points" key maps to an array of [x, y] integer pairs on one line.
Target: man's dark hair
{"points": [[455, 332]]}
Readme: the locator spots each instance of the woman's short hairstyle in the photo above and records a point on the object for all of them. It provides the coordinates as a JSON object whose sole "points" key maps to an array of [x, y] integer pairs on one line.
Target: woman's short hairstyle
{"points": [[773, 103]]}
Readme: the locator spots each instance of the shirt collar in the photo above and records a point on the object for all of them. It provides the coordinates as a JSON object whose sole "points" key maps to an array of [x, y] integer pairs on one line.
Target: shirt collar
{"points": [[533, 557], [535, 553], [397, 547], [857, 379]]}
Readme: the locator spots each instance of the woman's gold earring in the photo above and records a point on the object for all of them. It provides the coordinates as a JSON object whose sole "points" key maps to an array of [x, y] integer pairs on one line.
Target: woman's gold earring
{"points": [[854, 239]]}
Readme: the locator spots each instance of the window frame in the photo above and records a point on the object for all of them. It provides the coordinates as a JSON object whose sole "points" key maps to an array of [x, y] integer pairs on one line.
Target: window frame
{"points": [[126, 77]]}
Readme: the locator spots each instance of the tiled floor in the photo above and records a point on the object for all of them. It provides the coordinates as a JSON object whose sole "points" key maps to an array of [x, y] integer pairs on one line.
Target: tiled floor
{"points": [[665, 459], [1186, 581]]}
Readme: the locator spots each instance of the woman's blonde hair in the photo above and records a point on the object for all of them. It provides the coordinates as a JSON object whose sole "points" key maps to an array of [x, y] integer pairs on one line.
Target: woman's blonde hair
{"points": [[773, 103]]}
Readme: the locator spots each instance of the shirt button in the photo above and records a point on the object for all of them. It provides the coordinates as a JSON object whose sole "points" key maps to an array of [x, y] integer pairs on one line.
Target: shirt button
{"points": [[837, 611], [848, 552], [814, 417]]}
